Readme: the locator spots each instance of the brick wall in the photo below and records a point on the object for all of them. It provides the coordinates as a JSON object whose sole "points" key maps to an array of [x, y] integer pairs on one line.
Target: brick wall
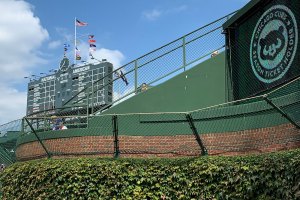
{"points": [[257, 141]]}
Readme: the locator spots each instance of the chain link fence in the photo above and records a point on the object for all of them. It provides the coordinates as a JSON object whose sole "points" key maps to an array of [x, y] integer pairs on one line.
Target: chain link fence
{"points": [[54, 119], [191, 133], [240, 126], [8, 138], [157, 66]]}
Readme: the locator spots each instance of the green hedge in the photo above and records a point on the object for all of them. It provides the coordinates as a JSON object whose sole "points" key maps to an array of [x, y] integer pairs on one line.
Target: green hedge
{"points": [[269, 176]]}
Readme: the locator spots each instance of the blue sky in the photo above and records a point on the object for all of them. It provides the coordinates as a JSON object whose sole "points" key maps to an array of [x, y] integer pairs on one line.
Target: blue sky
{"points": [[32, 34]]}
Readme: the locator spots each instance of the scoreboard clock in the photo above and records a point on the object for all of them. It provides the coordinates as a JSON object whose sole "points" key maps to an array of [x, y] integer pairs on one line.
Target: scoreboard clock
{"points": [[64, 64]]}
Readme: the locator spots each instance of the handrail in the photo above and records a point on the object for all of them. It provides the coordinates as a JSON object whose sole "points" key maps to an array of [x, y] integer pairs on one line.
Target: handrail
{"points": [[160, 55]]}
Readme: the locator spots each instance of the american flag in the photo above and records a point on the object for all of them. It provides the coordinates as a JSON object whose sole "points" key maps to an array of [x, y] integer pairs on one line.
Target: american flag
{"points": [[79, 23]]}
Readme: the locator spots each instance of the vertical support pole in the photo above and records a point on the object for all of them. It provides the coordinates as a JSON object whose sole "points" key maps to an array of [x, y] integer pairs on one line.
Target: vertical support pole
{"points": [[75, 41], [87, 106], [195, 132], [22, 126], [92, 96], [135, 76], [47, 152], [183, 53], [115, 134], [285, 115], [37, 124], [46, 125], [87, 101]]}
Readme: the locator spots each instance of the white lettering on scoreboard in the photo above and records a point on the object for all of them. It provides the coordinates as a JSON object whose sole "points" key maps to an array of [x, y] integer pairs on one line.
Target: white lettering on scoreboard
{"points": [[81, 69], [47, 78]]}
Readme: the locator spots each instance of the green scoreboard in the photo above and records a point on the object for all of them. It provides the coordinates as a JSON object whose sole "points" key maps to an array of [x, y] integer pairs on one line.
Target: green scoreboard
{"points": [[262, 46], [53, 91]]}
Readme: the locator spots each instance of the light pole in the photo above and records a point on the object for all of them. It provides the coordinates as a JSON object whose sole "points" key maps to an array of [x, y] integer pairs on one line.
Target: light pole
{"points": [[53, 70], [44, 74], [27, 77], [35, 76]]}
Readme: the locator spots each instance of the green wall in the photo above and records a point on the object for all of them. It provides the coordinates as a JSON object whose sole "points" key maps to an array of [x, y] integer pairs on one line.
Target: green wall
{"points": [[199, 87]]}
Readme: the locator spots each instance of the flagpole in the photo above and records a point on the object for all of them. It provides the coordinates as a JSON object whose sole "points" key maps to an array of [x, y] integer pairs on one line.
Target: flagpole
{"points": [[75, 42]]}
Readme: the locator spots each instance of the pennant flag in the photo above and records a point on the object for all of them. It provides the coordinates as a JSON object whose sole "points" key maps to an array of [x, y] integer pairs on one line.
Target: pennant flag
{"points": [[91, 36], [92, 41], [79, 23], [91, 55], [122, 76], [78, 57], [66, 47], [92, 45]]}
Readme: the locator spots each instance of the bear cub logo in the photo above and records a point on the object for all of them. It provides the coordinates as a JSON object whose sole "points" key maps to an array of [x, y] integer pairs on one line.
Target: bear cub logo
{"points": [[272, 44]]}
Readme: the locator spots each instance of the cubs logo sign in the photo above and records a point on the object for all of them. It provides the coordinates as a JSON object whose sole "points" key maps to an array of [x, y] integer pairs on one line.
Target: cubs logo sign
{"points": [[274, 44]]}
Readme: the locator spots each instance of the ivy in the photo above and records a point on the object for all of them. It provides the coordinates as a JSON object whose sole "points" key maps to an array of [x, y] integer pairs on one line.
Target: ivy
{"points": [[268, 176]]}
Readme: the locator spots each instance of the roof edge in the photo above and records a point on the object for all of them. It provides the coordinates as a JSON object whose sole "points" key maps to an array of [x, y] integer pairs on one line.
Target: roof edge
{"points": [[241, 12]]}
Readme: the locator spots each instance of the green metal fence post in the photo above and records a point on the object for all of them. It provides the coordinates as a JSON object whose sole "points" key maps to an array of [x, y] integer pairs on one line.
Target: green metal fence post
{"points": [[44, 147], [45, 123], [92, 100], [183, 53], [135, 76], [22, 126], [116, 136], [87, 108], [87, 102], [284, 114], [196, 134]]}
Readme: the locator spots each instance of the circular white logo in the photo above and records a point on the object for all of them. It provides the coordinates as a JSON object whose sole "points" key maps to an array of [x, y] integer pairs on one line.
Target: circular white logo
{"points": [[274, 44]]}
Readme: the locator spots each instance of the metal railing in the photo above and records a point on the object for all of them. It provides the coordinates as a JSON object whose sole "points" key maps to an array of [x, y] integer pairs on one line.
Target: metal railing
{"points": [[75, 116], [281, 106], [158, 65], [9, 133], [148, 70], [274, 109]]}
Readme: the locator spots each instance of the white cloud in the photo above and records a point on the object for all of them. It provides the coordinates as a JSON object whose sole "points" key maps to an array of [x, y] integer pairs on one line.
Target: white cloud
{"points": [[154, 14], [12, 104], [54, 44], [19, 47], [175, 10], [65, 34], [113, 56], [21, 35]]}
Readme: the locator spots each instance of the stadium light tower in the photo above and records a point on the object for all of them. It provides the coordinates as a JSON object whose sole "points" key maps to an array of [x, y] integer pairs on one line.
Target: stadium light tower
{"points": [[35, 77], [53, 70], [27, 77], [44, 74]]}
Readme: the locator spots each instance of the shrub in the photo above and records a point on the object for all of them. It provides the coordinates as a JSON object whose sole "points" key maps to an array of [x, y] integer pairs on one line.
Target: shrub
{"points": [[269, 176]]}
